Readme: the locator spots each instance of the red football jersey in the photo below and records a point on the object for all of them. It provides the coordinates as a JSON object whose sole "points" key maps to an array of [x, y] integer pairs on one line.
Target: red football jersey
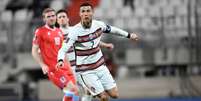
{"points": [[49, 41]]}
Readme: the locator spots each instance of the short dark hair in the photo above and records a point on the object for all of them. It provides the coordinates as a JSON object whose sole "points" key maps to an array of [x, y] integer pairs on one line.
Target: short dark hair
{"points": [[86, 4], [46, 10], [62, 11]]}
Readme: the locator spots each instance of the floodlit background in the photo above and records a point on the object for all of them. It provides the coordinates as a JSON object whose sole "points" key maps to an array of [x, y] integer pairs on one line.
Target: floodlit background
{"points": [[164, 65]]}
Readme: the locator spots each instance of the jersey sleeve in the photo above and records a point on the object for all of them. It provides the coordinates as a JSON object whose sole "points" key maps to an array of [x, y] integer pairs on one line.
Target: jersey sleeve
{"points": [[113, 30], [72, 34], [71, 39], [105, 27], [37, 37]]}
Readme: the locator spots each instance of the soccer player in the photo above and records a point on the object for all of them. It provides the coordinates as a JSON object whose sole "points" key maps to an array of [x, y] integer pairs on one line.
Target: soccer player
{"points": [[63, 24], [46, 43], [90, 64]]}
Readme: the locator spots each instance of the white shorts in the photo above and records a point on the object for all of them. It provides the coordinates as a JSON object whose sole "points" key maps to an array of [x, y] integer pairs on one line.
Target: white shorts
{"points": [[97, 80]]}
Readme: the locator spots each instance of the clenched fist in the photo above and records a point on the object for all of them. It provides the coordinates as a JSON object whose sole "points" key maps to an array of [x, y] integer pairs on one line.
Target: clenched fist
{"points": [[134, 37]]}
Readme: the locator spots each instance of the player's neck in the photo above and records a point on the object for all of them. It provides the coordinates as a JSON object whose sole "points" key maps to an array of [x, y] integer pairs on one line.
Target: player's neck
{"points": [[64, 26], [51, 26], [86, 25]]}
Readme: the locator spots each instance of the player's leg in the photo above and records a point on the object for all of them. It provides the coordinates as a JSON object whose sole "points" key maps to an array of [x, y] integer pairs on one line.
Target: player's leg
{"points": [[108, 82], [91, 83], [61, 81], [70, 92], [65, 80], [87, 96], [71, 88], [113, 92], [83, 93]]}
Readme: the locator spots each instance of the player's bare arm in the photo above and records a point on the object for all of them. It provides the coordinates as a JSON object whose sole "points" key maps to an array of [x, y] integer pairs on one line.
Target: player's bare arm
{"points": [[37, 57]]}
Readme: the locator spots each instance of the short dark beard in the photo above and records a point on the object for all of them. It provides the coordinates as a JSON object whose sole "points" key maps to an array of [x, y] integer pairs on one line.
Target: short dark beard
{"points": [[86, 24]]}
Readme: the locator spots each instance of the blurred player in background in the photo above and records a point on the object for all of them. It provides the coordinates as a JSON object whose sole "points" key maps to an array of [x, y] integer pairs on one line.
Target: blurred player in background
{"points": [[46, 43], [63, 24]]}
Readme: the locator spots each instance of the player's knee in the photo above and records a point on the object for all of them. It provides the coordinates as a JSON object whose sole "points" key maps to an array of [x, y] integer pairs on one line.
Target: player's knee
{"points": [[104, 98], [114, 95]]}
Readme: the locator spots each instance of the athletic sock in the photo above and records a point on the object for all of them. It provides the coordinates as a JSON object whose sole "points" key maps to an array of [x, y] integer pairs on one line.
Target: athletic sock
{"points": [[67, 98], [76, 98], [72, 95]]}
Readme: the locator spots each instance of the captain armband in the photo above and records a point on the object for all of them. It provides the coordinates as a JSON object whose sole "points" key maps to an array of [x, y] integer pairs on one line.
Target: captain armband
{"points": [[108, 29]]}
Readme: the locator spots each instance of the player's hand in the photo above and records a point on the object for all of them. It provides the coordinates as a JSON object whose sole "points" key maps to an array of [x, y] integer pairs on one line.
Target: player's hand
{"points": [[110, 46], [134, 37], [45, 69], [60, 64]]}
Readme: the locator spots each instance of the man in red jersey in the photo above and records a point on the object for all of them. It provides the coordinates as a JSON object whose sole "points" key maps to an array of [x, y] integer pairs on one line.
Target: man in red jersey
{"points": [[46, 43]]}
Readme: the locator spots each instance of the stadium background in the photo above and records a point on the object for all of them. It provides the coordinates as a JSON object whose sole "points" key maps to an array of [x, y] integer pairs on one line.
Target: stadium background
{"points": [[163, 66]]}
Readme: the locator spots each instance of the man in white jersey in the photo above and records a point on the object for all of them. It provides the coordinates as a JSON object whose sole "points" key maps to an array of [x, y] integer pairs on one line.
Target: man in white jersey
{"points": [[86, 35], [63, 24]]}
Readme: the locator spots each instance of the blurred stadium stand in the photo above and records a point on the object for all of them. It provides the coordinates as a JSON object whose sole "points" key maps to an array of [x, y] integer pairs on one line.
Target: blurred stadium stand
{"points": [[166, 62]]}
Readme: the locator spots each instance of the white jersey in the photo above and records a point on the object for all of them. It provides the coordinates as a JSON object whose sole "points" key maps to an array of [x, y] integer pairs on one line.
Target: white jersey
{"points": [[86, 45], [70, 52]]}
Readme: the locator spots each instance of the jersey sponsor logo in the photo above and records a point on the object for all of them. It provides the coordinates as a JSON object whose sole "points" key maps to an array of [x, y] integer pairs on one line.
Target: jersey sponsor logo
{"points": [[57, 40]]}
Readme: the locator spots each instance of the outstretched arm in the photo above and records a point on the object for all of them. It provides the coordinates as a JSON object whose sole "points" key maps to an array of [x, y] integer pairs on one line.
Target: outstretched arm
{"points": [[37, 57], [109, 46], [120, 32]]}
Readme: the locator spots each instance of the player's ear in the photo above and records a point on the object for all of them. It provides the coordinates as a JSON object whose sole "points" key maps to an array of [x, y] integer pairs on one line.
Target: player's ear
{"points": [[67, 19], [80, 13]]}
